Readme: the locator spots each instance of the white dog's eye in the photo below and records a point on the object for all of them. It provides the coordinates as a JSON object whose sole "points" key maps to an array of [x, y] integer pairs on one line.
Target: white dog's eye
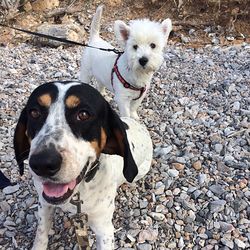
{"points": [[135, 47], [83, 115], [152, 45]]}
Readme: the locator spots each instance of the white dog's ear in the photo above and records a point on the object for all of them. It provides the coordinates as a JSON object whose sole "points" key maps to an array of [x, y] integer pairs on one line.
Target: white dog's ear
{"points": [[121, 31], [166, 27]]}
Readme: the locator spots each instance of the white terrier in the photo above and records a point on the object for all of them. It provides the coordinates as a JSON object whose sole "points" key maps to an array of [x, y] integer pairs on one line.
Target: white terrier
{"points": [[128, 75]]}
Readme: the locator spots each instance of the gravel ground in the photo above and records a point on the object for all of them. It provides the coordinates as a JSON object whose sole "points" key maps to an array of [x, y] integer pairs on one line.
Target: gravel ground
{"points": [[196, 195]]}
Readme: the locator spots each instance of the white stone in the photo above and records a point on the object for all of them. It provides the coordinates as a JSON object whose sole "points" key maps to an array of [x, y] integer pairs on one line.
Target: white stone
{"points": [[173, 172], [157, 216], [240, 243], [11, 189]]}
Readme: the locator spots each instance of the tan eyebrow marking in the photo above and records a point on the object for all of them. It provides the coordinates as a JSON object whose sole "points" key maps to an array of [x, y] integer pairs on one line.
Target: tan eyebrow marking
{"points": [[98, 147], [103, 138], [44, 100], [72, 101]]}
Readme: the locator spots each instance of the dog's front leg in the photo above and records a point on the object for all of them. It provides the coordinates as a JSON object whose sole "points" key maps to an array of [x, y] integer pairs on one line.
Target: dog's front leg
{"points": [[123, 105], [134, 105], [45, 213], [85, 71], [103, 228]]}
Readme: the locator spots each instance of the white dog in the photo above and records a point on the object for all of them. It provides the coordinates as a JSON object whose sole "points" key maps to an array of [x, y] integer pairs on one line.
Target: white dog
{"points": [[128, 75]]}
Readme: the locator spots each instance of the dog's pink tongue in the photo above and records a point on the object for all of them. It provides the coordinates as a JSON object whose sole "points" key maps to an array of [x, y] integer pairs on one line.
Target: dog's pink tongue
{"points": [[57, 190]]}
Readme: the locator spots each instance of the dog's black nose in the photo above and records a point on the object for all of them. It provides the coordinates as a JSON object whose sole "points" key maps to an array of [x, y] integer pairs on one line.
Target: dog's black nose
{"points": [[143, 61], [46, 163]]}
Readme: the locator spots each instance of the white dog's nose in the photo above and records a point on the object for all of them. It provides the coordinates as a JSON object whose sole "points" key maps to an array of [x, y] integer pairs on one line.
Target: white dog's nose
{"points": [[143, 61]]}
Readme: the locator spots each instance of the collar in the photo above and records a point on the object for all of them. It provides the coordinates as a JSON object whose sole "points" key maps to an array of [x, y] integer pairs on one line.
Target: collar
{"points": [[92, 171], [75, 200], [90, 174], [125, 84]]}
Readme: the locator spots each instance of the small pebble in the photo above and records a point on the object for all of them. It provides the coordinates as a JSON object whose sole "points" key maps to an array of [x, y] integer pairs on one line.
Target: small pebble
{"points": [[11, 189], [173, 173], [178, 166], [197, 165]]}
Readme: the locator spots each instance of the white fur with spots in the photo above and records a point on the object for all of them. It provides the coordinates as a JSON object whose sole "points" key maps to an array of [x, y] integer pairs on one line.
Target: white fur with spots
{"points": [[97, 195]]}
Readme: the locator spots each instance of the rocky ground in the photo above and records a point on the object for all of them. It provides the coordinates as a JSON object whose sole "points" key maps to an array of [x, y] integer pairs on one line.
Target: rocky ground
{"points": [[196, 195]]}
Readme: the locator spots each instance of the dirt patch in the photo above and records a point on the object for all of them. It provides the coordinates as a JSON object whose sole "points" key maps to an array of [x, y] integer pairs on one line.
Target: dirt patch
{"points": [[196, 23]]}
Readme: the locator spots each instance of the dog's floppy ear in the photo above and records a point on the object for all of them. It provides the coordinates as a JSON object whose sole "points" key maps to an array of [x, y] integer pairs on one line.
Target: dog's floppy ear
{"points": [[21, 141], [121, 31], [166, 27], [117, 143]]}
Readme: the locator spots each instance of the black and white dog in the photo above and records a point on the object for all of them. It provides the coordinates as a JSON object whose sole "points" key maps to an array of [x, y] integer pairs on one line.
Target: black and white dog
{"points": [[75, 142]]}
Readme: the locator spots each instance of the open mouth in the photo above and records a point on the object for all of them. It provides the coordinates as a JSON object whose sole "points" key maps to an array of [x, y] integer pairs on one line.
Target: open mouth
{"points": [[58, 193]]}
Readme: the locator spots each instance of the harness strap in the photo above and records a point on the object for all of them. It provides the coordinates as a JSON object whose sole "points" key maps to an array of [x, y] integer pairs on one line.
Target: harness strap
{"points": [[123, 81]]}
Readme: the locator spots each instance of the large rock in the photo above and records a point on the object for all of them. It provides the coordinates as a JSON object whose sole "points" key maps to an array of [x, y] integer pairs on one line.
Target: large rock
{"points": [[67, 31], [41, 5], [114, 2]]}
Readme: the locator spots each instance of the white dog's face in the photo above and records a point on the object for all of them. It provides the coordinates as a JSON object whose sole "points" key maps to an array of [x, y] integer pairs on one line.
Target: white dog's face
{"points": [[144, 42]]}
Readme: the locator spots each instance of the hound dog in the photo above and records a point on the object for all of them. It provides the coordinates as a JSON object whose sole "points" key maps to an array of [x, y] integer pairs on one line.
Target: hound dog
{"points": [[74, 141]]}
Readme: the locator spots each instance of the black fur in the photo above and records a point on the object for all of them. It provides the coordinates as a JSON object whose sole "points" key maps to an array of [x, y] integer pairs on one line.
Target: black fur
{"points": [[27, 126]]}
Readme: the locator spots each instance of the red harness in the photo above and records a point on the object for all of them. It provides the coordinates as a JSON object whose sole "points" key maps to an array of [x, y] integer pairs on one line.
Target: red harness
{"points": [[123, 81]]}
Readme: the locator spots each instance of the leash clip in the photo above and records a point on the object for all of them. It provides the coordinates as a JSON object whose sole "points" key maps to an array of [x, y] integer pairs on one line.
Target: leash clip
{"points": [[77, 202], [79, 221]]}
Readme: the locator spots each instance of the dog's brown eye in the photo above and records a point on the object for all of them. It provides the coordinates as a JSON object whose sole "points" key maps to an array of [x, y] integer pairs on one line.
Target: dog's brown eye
{"points": [[83, 115], [135, 47], [152, 45], [35, 113]]}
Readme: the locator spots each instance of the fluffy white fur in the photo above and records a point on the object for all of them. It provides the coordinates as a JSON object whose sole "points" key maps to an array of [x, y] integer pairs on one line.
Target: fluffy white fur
{"points": [[140, 39]]}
